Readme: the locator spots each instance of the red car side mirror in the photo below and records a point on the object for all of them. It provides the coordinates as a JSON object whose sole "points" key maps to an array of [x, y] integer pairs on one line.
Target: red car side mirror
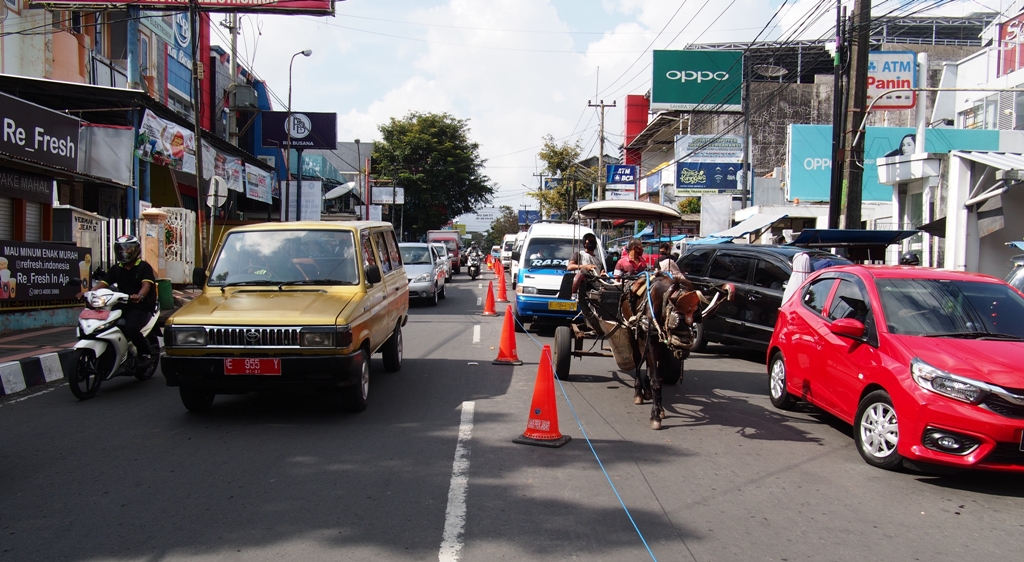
{"points": [[849, 328]]}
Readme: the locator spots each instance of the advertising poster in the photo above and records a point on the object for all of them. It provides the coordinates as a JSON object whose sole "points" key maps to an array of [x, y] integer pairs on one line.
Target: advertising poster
{"points": [[33, 272], [312, 200], [166, 144], [695, 178], [257, 184], [232, 170], [528, 217], [809, 156], [709, 148], [697, 80]]}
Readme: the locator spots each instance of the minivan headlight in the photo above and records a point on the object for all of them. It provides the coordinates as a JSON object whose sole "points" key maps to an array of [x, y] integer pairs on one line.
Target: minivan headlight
{"points": [[529, 290], [421, 278], [317, 337], [947, 384]]}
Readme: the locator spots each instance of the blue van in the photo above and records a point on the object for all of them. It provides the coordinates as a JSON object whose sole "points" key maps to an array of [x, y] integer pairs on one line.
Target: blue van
{"points": [[542, 260]]}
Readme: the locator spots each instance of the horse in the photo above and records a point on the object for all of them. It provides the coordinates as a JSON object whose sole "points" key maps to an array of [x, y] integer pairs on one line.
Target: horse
{"points": [[660, 309]]}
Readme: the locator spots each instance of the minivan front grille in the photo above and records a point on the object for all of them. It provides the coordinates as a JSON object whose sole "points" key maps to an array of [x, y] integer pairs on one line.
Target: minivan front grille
{"points": [[253, 337]]}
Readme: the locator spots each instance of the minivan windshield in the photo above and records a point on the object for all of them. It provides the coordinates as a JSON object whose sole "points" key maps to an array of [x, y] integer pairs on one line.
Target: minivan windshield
{"points": [[274, 257], [549, 252]]}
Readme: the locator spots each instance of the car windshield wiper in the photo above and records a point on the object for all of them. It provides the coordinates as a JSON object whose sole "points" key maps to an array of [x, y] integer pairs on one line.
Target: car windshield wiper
{"points": [[254, 282], [976, 336], [321, 282]]}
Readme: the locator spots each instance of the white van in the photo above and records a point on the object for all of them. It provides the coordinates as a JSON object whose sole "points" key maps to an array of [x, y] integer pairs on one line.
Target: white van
{"points": [[542, 260], [508, 242], [517, 246]]}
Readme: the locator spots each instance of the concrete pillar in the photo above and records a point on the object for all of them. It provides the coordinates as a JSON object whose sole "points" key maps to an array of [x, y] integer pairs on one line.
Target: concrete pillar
{"points": [[959, 187], [154, 223]]}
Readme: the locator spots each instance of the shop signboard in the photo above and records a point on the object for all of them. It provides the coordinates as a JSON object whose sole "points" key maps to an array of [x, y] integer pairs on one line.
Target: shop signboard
{"points": [[34, 272], [307, 7], [308, 130], [312, 200], [36, 133], [697, 81], [619, 195], [551, 183], [709, 148], [1011, 53], [387, 195], [619, 174], [891, 70], [30, 187], [528, 217], [809, 155], [695, 178]]}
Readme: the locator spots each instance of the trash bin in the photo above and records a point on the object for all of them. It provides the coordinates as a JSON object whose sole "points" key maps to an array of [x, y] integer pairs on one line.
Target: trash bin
{"points": [[166, 294]]}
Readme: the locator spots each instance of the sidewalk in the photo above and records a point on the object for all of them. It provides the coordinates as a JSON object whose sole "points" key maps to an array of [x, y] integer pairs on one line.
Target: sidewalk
{"points": [[37, 357]]}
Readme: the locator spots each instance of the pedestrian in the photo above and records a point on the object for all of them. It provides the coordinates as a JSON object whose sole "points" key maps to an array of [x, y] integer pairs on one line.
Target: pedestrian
{"points": [[632, 262]]}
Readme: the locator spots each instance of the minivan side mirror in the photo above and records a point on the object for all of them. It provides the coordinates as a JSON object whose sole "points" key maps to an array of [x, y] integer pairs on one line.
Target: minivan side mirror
{"points": [[373, 274], [199, 277], [848, 327], [515, 256]]}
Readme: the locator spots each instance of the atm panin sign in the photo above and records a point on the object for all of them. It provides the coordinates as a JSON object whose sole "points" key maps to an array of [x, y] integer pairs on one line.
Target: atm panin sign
{"points": [[891, 70]]}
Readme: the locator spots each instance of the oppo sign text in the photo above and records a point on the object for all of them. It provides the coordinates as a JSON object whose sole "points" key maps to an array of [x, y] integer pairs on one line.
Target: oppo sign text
{"points": [[699, 76], [817, 163]]}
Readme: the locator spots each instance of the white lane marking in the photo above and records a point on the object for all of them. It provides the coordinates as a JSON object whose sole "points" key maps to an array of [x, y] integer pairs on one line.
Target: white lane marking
{"points": [[479, 300], [480, 286], [455, 515], [476, 333], [33, 395]]}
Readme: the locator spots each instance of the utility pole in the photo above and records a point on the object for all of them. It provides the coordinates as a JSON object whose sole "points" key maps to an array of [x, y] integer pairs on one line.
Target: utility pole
{"points": [[838, 120], [231, 24], [600, 150], [856, 114], [197, 96]]}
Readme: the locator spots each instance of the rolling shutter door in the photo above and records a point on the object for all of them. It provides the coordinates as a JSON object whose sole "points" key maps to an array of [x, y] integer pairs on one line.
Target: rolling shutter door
{"points": [[6, 218], [33, 221]]}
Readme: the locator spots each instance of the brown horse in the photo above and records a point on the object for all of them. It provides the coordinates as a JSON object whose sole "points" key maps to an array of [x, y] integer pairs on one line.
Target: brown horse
{"points": [[660, 310]]}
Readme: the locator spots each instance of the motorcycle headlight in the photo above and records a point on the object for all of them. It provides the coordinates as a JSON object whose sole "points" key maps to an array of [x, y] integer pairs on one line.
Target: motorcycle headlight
{"points": [[421, 278], [185, 337], [100, 301], [947, 384], [529, 290]]}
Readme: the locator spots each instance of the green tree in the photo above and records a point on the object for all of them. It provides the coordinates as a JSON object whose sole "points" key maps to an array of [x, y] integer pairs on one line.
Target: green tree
{"points": [[562, 160], [432, 157], [506, 223], [690, 205]]}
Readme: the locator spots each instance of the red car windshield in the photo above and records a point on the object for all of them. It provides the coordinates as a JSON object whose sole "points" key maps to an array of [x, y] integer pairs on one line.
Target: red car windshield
{"points": [[941, 307]]}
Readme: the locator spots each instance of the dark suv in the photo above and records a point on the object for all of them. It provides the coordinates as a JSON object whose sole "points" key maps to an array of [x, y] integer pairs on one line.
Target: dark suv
{"points": [[760, 274]]}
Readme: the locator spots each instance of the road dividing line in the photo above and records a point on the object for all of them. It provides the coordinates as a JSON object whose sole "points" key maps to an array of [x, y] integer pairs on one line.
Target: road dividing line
{"points": [[455, 514], [476, 333], [479, 300]]}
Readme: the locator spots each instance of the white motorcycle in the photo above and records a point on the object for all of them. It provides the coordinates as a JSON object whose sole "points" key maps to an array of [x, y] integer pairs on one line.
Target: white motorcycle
{"points": [[104, 352]]}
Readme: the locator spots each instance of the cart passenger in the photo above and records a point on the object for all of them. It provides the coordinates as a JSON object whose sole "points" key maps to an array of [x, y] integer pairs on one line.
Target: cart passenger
{"points": [[585, 261], [632, 262]]}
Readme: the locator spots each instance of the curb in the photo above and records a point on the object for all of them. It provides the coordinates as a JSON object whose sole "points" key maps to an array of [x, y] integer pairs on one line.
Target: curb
{"points": [[20, 375]]}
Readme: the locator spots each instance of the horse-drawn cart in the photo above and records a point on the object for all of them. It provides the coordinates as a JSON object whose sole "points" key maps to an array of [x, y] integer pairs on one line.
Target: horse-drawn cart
{"points": [[614, 314]]}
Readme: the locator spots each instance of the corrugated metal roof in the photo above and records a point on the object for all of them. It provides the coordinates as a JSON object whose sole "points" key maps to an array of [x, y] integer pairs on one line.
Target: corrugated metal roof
{"points": [[1001, 160]]}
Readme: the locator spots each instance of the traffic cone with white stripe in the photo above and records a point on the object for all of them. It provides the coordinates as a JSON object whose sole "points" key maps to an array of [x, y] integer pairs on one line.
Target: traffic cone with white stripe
{"points": [[507, 348], [542, 424], [502, 291]]}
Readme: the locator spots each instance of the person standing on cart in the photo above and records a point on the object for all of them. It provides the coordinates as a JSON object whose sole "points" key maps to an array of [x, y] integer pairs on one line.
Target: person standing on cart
{"points": [[585, 261], [632, 262]]}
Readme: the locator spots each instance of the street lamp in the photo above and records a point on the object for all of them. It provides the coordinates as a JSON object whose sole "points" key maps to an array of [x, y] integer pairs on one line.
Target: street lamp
{"points": [[288, 153]]}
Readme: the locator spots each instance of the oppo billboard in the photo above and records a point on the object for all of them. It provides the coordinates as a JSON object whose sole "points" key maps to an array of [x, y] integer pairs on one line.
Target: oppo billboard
{"points": [[697, 81]]}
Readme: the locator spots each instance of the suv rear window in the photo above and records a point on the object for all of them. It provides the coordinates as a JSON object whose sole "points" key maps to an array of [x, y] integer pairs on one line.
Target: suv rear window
{"points": [[732, 268]]}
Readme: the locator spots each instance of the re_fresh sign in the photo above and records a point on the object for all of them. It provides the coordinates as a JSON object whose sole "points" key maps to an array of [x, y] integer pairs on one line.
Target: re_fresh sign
{"points": [[697, 81]]}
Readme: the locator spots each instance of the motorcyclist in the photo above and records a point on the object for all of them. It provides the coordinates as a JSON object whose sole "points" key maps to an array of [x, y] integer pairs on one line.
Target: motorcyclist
{"points": [[133, 276], [910, 258], [474, 250]]}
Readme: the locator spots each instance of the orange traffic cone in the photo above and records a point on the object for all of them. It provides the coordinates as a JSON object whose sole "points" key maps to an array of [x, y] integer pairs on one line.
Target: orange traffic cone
{"points": [[507, 348], [542, 425], [489, 301], [502, 292]]}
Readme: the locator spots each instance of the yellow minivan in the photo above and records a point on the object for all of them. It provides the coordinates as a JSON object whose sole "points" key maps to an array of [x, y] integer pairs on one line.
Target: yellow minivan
{"points": [[291, 305]]}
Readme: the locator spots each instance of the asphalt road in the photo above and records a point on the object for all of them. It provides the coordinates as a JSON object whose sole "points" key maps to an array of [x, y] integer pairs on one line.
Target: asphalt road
{"points": [[429, 470]]}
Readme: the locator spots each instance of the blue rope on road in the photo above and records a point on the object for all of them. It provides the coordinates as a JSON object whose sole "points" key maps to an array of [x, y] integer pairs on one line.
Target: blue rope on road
{"points": [[591, 445]]}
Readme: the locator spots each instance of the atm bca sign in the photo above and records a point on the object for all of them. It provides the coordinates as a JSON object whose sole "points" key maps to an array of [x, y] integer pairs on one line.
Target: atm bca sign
{"points": [[891, 70]]}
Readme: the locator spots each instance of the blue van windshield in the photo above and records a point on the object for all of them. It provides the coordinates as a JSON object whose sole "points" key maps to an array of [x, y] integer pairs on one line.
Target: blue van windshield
{"points": [[551, 253]]}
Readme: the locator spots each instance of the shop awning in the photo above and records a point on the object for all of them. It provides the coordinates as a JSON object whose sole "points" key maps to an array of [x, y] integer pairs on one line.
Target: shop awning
{"points": [[754, 224], [1000, 160], [848, 238], [936, 228]]}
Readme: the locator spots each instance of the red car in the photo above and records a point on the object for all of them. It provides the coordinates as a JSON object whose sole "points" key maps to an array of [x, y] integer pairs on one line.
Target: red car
{"points": [[927, 365]]}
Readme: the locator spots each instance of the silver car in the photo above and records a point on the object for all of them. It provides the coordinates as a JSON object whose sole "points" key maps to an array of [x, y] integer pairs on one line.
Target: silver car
{"points": [[425, 270], [442, 250]]}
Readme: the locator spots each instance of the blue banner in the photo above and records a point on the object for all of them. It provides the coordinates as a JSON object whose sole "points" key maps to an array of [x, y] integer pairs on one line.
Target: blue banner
{"points": [[810, 156], [620, 174], [528, 217]]}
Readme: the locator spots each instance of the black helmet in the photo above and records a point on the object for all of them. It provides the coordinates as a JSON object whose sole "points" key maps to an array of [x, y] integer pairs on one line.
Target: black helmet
{"points": [[910, 258], [127, 249]]}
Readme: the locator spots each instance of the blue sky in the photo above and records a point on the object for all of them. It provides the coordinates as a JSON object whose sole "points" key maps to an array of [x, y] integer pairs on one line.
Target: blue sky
{"points": [[516, 69]]}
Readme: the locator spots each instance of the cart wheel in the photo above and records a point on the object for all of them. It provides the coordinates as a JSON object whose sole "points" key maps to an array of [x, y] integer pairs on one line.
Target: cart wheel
{"points": [[673, 370], [563, 352]]}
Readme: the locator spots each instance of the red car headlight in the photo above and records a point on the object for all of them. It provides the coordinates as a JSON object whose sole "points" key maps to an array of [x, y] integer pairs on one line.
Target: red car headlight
{"points": [[947, 384]]}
